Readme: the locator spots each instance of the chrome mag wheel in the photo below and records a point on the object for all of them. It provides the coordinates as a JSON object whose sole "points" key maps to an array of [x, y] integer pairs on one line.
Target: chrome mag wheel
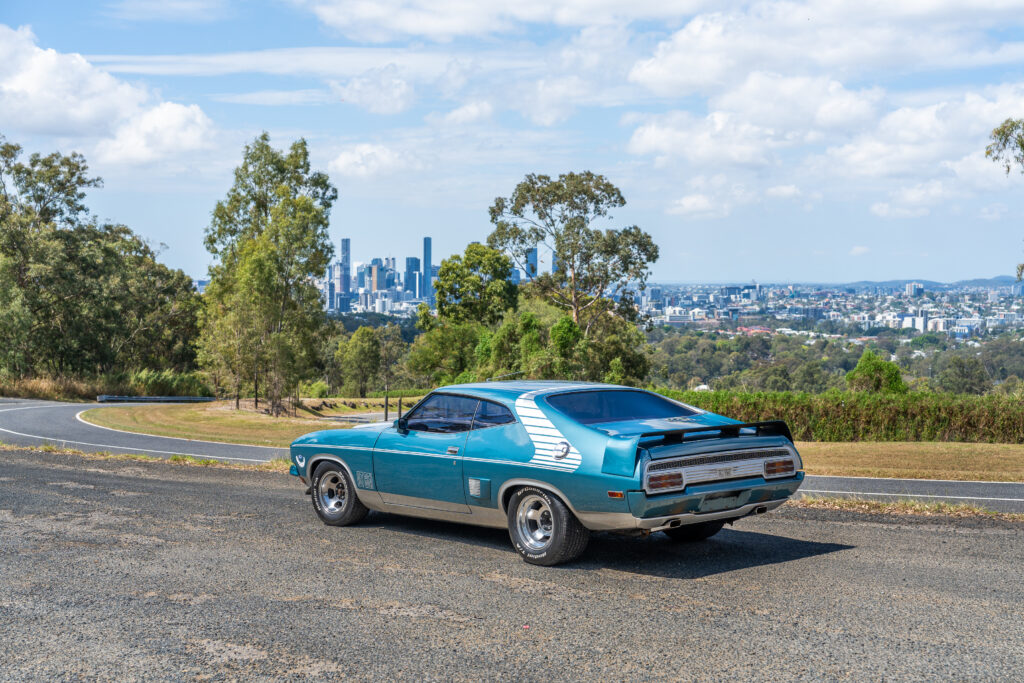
{"points": [[332, 491], [533, 519]]}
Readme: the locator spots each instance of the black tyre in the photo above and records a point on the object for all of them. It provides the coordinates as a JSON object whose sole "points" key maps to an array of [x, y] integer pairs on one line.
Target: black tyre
{"points": [[543, 530], [691, 533], [334, 496]]}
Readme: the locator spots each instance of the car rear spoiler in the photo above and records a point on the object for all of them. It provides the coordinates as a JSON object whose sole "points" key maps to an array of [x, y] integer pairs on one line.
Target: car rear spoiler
{"points": [[620, 455]]}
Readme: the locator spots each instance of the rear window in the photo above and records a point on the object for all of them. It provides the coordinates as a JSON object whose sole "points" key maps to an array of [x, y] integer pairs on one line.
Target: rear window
{"points": [[594, 407]]}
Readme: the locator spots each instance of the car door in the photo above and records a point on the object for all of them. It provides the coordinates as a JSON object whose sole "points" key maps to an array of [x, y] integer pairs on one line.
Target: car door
{"points": [[421, 466]]}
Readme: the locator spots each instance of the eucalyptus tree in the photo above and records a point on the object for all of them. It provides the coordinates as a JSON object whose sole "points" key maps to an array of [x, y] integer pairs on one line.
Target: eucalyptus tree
{"points": [[1007, 149], [269, 240], [594, 266]]}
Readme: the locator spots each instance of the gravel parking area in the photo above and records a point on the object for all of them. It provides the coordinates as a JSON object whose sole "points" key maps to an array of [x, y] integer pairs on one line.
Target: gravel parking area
{"points": [[148, 570]]}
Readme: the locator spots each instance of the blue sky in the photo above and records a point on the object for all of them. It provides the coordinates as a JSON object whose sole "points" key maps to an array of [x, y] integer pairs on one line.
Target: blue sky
{"points": [[776, 141]]}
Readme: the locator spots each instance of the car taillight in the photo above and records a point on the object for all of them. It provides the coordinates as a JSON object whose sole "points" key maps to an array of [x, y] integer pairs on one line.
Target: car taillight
{"points": [[668, 480], [779, 468]]}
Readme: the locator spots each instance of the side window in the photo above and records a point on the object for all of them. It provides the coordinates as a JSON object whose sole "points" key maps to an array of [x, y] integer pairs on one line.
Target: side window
{"points": [[443, 413], [492, 414]]}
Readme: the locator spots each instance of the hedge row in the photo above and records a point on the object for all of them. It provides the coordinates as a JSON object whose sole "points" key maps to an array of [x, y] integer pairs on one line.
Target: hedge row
{"points": [[850, 416]]}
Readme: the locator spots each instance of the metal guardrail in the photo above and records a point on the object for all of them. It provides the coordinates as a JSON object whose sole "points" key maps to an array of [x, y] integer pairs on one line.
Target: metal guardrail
{"points": [[106, 398]]}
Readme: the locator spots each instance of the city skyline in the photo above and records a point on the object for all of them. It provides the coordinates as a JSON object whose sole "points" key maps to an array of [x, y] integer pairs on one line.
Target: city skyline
{"points": [[804, 141]]}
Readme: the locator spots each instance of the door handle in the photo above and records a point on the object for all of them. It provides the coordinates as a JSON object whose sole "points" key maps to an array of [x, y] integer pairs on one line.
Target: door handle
{"points": [[453, 450]]}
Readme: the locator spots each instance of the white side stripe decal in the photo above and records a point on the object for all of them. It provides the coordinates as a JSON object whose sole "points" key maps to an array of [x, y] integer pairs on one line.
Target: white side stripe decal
{"points": [[545, 436]]}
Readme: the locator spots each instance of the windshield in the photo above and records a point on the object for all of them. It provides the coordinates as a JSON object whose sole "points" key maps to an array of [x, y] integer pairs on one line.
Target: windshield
{"points": [[594, 407]]}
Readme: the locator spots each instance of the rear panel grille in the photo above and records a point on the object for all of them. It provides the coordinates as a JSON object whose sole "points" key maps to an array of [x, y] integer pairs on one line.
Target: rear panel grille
{"points": [[700, 469], [732, 456]]}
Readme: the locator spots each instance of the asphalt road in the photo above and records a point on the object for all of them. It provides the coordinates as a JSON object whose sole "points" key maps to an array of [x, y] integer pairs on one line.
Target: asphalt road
{"points": [[145, 570], [32, 423]]}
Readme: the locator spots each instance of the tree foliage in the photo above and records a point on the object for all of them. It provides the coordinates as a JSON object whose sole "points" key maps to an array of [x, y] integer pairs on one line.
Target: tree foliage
{"points": [[873, 374], [78, 297], [269, 236], [361, 359], [475, 286], [592, 263], [965, 375], [1007, 149]]}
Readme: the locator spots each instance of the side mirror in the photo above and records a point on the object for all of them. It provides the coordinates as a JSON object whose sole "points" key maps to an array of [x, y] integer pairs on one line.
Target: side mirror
{"points": [[402, 424]]}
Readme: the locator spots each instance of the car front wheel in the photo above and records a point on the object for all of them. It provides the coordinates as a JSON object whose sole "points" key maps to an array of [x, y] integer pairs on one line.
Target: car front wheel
{"points": [[334, 496], [543, 530]]}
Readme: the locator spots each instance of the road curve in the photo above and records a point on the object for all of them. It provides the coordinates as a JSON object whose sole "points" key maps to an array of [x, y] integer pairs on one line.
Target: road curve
{"points": [[33, 423]]}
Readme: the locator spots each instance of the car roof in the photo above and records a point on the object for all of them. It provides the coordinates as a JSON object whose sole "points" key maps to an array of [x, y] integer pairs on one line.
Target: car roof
{"points": [[508, 391]]}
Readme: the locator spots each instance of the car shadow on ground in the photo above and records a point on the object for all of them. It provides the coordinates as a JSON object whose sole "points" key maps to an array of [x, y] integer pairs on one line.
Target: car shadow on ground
{"points": [[655, 555]]}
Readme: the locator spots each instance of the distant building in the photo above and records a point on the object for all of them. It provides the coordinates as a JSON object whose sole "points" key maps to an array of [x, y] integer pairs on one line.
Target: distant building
{"points": [[427, 286], [412, 275], [200, 285], [914, 289], [531, 264], [345, 267]]}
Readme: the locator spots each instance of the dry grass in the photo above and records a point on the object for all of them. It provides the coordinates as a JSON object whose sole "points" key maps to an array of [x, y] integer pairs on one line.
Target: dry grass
{"points": [[55, 389], [275, 465], [915, 460], [902, 507], [209, 422]]}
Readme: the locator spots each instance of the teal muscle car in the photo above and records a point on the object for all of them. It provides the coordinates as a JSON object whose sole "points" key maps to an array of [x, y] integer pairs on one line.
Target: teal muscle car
{"points": [[553, 461]]}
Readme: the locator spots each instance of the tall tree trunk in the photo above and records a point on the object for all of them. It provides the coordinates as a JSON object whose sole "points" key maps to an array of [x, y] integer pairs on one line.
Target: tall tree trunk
{"points": [[256, 388]]}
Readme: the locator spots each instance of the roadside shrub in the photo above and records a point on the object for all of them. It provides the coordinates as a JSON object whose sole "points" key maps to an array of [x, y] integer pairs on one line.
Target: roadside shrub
{"points": [[167, 383], [317, 389], [861, 416]]}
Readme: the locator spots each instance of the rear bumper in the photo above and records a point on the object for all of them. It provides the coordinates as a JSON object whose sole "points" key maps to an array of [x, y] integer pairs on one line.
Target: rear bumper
{"points": [[691, 506]]}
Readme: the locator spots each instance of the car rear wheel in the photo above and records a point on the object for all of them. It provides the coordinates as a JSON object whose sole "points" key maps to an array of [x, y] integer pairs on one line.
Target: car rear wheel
{"points": [[543, 530], [690, 533], [334, 496]]}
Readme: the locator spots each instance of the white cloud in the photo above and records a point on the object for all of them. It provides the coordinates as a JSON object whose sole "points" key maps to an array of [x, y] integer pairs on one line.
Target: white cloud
{"points": [[930, 138], [887, 210], [165, 130], [782, 191], [278, 98], [381, 91], [384, 20], [697, 206], [859, 251], [44, 91], [713, 51], [470, 112], [993, 212], [712, 197], [718, 138], [794, 105], [168, 10], [364, 159]]}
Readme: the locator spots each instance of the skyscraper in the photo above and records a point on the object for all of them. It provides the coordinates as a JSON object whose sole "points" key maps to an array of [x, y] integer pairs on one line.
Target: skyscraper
{"points": [[554, 263], [412, 274], [427, 288], [346, 266], [531, 264]]}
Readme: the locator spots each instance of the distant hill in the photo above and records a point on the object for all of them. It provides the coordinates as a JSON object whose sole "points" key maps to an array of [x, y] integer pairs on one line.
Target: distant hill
{"points": [[931, 285]]}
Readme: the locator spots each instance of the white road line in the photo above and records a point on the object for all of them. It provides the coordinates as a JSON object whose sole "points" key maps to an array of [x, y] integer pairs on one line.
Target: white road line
{"points": [[78, 417], [944, 481], [911, 495], [123, 448]]}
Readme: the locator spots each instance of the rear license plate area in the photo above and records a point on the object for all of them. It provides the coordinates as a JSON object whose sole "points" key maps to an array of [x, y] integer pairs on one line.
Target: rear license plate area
{"points": [[723, 500]]}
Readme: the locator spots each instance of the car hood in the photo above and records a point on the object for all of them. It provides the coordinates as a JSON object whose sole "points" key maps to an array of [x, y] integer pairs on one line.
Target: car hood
{"points": [[635, 427]]}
